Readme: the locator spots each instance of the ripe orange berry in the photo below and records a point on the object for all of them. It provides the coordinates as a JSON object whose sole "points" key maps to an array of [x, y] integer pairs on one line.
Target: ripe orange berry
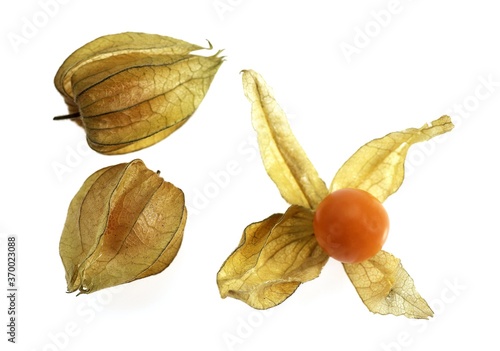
{"points": [[351, 225]]}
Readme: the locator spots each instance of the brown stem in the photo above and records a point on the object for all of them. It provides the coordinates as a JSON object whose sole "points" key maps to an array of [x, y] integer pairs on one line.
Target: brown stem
{"points": [[70, 116]]}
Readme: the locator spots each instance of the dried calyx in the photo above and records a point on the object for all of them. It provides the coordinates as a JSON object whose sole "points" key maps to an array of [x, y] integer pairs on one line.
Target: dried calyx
{"points": [[125, 223], [131, 90]]}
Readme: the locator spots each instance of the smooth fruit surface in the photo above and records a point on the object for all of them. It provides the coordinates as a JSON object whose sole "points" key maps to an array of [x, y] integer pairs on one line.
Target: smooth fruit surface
{"points": [[351, 225]]}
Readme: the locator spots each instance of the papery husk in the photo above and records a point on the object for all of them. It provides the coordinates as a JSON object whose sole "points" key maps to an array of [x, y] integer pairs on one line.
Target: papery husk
{"points": [[132, 90], [124, 224]]}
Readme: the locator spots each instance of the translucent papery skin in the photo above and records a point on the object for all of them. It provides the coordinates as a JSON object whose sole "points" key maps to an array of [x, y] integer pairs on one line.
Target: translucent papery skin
{"points": [[131, 90], [125, 223]]}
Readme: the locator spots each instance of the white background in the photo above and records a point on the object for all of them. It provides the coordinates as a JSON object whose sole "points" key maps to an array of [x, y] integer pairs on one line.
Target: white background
{"points": [[426, 58]]}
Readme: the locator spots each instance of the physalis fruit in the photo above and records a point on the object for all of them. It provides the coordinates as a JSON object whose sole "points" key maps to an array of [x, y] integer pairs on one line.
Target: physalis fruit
{"points": [[281, 252], [351, 225]]}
